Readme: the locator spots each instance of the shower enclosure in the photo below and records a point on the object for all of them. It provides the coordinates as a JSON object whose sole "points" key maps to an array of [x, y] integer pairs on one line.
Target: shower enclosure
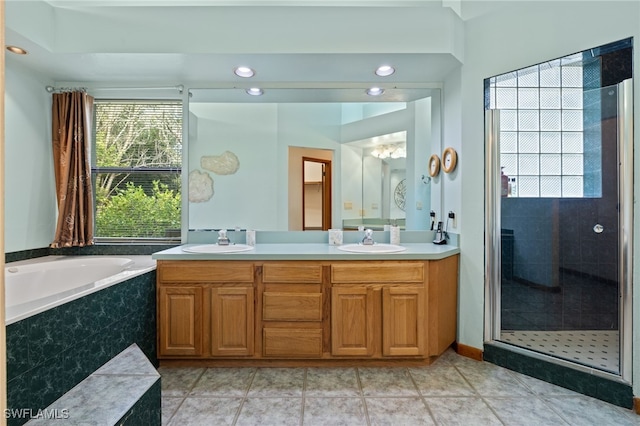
{"points": [[559, 209]]}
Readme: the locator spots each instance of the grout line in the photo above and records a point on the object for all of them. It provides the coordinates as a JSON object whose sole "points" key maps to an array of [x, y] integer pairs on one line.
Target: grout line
{"points": [[244, 397], [362, 398], [304, 391], [184, 397], [553, 410], [421, 396], [174, 411]]}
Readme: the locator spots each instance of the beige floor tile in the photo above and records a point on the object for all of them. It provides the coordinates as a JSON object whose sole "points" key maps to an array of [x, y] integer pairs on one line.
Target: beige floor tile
{"points": [[464, 411], [277, 382], [270, 412], [524, 412], [398, 411], [386, 382], [169, 407], [196, 411], [440, 381], [178, 381], [332, 382], [334, 412], [583, 410], [491, 380], [224, 382]]}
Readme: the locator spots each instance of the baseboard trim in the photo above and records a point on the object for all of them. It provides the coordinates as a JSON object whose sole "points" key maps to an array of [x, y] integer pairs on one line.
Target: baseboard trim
{"points": [[468, 351]]}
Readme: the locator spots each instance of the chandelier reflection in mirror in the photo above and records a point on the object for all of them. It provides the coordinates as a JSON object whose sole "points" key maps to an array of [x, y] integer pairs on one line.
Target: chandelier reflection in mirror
{"points": [[398, 150]]}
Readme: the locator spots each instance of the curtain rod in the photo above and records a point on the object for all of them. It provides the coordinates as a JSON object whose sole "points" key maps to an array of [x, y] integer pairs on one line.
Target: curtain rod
{"points": [[51, 89]]}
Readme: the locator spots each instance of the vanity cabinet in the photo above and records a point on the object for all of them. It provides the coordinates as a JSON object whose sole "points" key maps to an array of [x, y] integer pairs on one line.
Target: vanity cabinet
{"points": [[282, 312], [205, 309], [292, 309], [231, 314], [379, 309], [180, 313]]}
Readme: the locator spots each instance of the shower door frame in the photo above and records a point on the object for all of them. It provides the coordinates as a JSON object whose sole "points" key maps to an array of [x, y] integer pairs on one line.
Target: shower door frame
{"points": [[493, 275]]}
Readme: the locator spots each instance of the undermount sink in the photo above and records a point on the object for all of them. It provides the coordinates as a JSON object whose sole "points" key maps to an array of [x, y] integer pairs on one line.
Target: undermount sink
{"points": [[215, 248], [375, 248]]}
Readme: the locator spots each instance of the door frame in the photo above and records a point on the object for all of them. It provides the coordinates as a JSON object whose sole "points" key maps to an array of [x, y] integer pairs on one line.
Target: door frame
{"points": [[493, 244], [326, 191]]}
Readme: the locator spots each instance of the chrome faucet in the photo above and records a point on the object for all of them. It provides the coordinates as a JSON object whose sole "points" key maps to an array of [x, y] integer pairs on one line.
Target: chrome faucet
{"points": [[368, 237], [223, 240]]}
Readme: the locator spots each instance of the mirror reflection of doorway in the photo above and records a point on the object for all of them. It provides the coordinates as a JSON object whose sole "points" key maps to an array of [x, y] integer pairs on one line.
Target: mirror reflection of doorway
{"points": [[316, 194]]}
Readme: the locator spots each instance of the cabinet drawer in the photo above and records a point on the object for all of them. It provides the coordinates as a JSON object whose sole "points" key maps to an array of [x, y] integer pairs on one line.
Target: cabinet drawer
{"points": [[370, 272], [292, 342], [206, 271], [291, 306], [291, 273]]}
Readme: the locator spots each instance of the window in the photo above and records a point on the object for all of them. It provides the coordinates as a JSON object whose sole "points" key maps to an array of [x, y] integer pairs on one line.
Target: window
{"points": [[136, 166], [541, 128]]}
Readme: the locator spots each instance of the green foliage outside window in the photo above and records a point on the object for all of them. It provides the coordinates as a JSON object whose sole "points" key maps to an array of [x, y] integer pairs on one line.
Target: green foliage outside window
{"points": [[133, 213]]}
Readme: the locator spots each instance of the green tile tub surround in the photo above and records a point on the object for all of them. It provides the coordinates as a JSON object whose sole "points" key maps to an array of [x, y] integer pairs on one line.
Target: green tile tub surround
{"points": [[49, 353], [588, 384], [96, 250]]}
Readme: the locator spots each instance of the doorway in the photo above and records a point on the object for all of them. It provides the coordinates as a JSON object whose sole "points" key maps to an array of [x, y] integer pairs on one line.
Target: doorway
{"points": [[559, 209], [316, 194]]}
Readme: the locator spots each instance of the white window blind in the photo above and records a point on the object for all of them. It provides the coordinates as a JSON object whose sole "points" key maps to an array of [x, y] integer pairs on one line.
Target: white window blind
{"points": [[136, 167]]}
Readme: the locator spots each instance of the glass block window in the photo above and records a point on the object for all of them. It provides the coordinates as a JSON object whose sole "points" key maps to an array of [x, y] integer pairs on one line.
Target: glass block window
{"points": [[541, 128], [136, 167]]}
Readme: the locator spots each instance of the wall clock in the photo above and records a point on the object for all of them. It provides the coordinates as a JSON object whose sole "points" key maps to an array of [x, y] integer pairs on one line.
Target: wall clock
{"points": [[434, 165], [449, 160], [399, 194]]}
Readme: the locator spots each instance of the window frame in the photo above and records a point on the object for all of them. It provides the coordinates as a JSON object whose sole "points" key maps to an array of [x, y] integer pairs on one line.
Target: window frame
{"points": [[177, 239]]}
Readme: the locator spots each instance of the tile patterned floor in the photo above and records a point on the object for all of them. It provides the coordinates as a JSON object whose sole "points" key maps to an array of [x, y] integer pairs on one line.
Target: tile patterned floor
{"points": [[452, 391], [595, 348]]}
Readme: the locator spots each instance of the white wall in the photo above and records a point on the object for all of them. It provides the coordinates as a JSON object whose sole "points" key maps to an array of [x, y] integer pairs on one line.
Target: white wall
{"points": [[350, 181], [245, 198], [513, 36], [30, 201]]}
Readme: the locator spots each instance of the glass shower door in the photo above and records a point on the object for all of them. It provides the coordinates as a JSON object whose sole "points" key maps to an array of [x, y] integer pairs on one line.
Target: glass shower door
{"points": [[560, 154]]}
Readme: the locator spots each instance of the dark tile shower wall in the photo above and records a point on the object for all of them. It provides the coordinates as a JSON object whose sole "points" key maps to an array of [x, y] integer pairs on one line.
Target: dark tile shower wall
{"points": [[51, 352], [584, 296]]}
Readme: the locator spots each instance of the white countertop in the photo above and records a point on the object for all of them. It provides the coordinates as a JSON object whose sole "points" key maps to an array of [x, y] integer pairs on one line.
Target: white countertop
{"points": [[312, 251]]}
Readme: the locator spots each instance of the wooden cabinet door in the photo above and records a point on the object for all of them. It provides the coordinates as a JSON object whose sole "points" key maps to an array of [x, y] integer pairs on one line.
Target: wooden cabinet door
{"points": [[180, 321], [352, 321], [403, 321], [232, 321]]}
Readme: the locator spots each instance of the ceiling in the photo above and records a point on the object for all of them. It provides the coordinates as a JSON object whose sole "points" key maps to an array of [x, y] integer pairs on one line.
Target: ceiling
{"points": [[290, 44]]}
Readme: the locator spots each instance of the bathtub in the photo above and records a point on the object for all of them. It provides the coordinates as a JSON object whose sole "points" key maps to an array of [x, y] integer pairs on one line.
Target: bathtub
{"points": [[36, 285]]}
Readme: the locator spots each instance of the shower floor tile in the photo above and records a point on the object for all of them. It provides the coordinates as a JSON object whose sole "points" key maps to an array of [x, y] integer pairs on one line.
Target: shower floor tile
{"points": [[595, 348]]}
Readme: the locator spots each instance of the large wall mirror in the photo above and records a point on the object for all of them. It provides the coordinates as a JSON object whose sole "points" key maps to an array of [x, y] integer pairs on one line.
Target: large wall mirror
{"points": [[246, 157]]}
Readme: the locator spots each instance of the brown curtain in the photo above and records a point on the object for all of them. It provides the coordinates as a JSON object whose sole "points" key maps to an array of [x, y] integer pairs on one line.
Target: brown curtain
{"points": [[71, 116]]}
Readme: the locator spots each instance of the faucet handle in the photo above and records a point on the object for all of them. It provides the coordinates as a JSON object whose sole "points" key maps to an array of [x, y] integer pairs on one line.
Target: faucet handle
{"points": [[223, 240], [368, 237]]}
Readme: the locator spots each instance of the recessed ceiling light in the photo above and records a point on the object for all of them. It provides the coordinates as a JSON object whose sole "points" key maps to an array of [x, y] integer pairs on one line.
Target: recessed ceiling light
{"points": [[17, 50], [375, 91], [244, 72], [385, 70], [254, 91]]}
